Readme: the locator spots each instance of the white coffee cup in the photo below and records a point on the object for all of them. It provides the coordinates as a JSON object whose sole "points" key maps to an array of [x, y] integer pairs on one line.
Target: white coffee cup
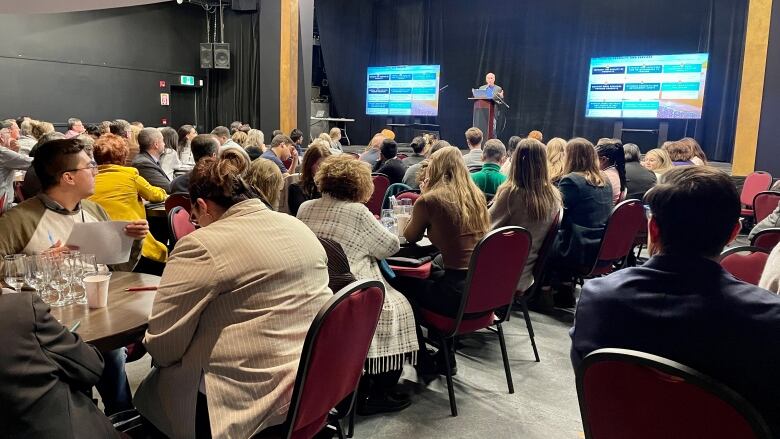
{"points": [[96, 285], [403, 221]]}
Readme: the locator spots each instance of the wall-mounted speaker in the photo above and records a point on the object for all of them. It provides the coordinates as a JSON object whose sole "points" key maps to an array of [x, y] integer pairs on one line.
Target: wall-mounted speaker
{"points": [[206, 56], [221, 55]]}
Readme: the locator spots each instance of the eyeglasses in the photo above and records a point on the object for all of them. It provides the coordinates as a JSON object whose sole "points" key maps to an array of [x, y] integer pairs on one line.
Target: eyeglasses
{"points": [[92, 166]]}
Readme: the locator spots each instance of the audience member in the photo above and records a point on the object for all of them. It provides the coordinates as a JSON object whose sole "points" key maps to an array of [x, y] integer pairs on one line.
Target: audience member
{"points": [[699, 158], [417, 145], [26, 140], [587, 202], [537, 135], [121, 191], [75, 128], [245, 128], [770, 278], [473, 158], [231, 314], [389, 163], [186, 133], [296, 136], [132, 143], [612, 162], [45, 371], [639, 179], [254, 152], [10, 162], [169, 161], [341, 216], [451, 205], [239, 137], [223, 135], [255, 138], [277, 133], [510, 151], [93, 131], [528, 199], [202, 146], [44, 222], [39, 128], [31, 186], [282, 148], [335, 138], [152, 146], [680, 153], [137, 124], [13, 128], [412, 175], [556, 159], [267, 180], [371, 154], [658, 161], [234, 126], [105, 127], [240, 161], [681, 304], [490, 177], [388, 134], [306, 188], [121, 128]]}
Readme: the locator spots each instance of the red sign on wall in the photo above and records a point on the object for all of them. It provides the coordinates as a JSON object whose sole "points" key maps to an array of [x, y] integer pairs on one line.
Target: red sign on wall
{"points": [[162, 84], [164, 121]]}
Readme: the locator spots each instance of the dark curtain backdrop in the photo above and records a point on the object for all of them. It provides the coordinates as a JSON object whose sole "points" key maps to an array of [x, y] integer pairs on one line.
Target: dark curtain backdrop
{"points": [[540, 51]]}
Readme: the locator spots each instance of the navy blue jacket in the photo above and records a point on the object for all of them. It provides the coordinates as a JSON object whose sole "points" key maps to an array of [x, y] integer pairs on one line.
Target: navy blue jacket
{"points": [[692, 311]]}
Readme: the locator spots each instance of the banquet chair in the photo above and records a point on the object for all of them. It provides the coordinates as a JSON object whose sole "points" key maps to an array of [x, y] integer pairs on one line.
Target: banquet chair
{"points": [[381, 183], [626, 221], [754, 183], [764, 203], [179, 224], [766, 239], [411, 194], [494, 270], [174, 200], [630, 394], [745, 263], [332, 359]]}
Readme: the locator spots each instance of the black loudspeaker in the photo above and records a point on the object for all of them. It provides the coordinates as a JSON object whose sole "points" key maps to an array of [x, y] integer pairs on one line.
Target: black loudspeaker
{"points": [[244, 5], [221, 55], [206, 56]]}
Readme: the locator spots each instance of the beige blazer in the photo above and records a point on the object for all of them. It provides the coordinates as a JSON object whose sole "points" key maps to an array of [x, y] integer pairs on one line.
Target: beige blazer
{"points": [[234, 305]]}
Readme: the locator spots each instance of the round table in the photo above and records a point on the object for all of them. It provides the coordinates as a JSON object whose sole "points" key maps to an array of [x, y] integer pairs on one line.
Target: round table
{"points": [[123, 321]]}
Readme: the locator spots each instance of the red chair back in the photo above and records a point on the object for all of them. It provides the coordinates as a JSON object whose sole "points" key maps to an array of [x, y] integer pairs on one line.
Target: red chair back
{"points": [[409, 195], [333, 356], [174, 200], [626, 221], [745, 263], [179, 224], [764, 203], [381, 183], [754, 183], [766, 239], [630, 394], [400, 156]]}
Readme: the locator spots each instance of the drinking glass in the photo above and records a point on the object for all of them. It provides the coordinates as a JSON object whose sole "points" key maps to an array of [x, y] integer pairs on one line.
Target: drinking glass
{"points": [[388, 220], [406, 206], [76, 289], [14, 271], [59, 279], [31, 267]]}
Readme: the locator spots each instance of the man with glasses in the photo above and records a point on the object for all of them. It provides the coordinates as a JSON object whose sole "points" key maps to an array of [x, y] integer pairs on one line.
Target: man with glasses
{"points": [[44, 222]]}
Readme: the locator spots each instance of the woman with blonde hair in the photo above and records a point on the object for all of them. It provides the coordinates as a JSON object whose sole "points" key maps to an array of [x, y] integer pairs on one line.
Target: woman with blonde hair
{"points": [[341, 216], [555, 159], [266, 178], [527, 199], [255, 138], [658, 161], [132, 144], [306, 188], [240, 138]]}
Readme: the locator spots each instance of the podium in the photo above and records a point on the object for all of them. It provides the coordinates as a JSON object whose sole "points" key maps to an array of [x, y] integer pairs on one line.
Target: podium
{"points": [[484, 116]]}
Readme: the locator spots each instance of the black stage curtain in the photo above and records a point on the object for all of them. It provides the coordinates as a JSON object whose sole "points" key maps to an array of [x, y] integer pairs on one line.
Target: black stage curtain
{"points": [[540, 51]]}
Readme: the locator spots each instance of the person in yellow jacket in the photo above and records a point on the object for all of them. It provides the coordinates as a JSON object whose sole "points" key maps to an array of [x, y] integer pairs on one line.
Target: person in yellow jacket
{"points": [[120, 191]]}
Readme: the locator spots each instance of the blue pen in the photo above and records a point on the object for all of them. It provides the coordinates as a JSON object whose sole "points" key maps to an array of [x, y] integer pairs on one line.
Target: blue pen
{"points": [[51, 239]]}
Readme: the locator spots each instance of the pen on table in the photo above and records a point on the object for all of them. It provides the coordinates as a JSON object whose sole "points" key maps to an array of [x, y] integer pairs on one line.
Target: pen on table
{"points": [[51, 239], [75, 326], [148, 287]]}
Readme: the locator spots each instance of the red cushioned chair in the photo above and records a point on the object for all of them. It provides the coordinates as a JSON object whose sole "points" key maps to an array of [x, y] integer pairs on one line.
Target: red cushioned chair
{"points": [[333, 356], [400, 156], [765, 203], [630, 394], [766, 239], [754, 183], [413, 195], [381, 183], [494, 269], [174, 200], [627, 220], [2, 204], [179, 224], [745, 263]]}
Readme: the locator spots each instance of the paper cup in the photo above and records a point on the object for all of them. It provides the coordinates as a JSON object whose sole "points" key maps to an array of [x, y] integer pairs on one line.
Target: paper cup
{"points": [[403, 221], [96, 286]]}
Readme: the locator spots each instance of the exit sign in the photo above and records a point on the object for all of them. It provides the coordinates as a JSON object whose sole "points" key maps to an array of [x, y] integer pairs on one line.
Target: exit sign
{"points": [[187, 80]]}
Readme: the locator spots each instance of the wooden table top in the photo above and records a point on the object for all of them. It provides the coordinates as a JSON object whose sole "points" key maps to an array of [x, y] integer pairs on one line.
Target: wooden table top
{"points": [[156, 211], [122, 322]]}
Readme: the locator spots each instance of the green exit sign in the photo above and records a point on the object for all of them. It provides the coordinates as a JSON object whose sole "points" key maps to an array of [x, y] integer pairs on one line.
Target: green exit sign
{"points": [[187, 80]]}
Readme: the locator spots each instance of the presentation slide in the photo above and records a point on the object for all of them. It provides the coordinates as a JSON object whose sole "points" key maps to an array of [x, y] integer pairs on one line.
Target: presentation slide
{"points": [[403, 91], [649, 87]]}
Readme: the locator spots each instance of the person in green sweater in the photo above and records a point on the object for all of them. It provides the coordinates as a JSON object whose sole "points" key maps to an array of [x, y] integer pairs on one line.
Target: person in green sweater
{"points": [[490, 177]]}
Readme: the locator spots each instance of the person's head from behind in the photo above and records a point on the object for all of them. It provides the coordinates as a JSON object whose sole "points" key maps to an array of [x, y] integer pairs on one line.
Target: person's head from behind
{"points": [[631, 152], [474, 137], [216, 186], [529, 176], [610, 153], [344, 178], [204, 146], [254, 152], [38, 128], [170, 138], [281, 145], [418, 145], [239, 137], [581, 158], [511, 146], [64, 167], [266, 179], [74, 124], [151, 141], [695, 148], [137, 123], [296, 136], [657, 160], [376, 142], [234, 126], [694, 212], [388, 149], [556, 154], [93, 131], [54, 135], [110, 149], [536, 134], [120, 127], [679, 151], [255, 138], [494, 152], [448, 179], [315, 154], [335, 134], [221, 133], [233, 155]]}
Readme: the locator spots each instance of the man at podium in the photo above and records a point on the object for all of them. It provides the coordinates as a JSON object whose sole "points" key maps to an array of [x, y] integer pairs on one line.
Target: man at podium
{"points": [[491, 87]]}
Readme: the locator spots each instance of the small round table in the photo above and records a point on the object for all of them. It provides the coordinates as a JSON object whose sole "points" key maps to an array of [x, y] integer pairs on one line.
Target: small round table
{"points": [[120, 323]]}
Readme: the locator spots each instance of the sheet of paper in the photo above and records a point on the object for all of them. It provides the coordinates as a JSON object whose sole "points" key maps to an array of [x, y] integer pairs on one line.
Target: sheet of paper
{"points": [[106, 240]]}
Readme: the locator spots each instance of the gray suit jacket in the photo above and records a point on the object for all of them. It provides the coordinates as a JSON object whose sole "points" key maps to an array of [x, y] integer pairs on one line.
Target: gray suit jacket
{"points": [[43, 373], [151, 171]]}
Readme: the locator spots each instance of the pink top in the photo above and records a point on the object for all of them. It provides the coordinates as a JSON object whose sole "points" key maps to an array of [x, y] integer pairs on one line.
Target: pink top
{"points": [[614, 181]]}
